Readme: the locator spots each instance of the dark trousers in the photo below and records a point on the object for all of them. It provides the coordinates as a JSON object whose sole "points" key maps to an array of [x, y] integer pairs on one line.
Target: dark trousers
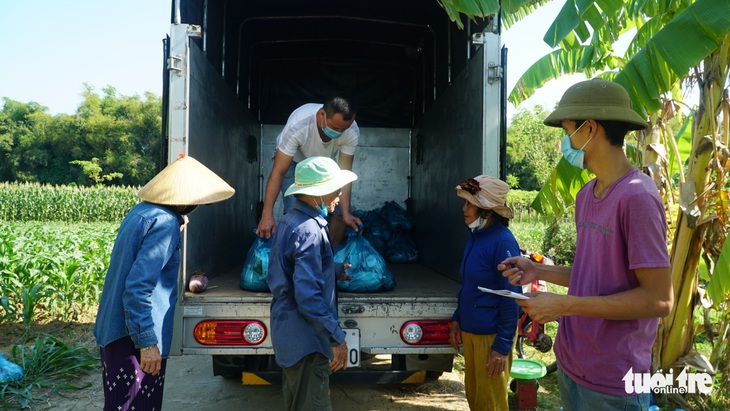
{"points": [[306, 384], [126, 386]]}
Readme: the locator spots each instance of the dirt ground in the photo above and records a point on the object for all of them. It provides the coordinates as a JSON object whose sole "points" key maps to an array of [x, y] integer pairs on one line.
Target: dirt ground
{"points": [[190, 385]]}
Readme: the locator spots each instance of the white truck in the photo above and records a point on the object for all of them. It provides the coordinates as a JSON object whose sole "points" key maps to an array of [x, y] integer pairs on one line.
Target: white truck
{"points": [[431, 112]]}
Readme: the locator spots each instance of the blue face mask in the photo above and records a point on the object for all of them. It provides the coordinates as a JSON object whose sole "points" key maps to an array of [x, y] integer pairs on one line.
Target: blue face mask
{"points": [[329, 132], [574, 157], [322, 208]]}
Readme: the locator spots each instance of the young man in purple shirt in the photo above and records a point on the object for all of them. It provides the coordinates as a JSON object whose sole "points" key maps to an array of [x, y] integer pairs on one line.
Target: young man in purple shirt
{"points": [[308, 341], [620, 284]]}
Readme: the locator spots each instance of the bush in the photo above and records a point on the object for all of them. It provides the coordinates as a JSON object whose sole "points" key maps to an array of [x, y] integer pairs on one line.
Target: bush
{"points": [[529, 234], [559, 240], [520, 201]]}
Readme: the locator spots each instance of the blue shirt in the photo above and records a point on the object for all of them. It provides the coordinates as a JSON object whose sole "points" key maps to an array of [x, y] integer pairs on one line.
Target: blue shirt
{"points": [[484, 313], [302, 283], [140, 288]]}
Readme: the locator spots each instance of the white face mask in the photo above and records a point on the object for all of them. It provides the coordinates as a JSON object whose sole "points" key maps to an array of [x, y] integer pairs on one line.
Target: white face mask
{"points": [[477, 224]]}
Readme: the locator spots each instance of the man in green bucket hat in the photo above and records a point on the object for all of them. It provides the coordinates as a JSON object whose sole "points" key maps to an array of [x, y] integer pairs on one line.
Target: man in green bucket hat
{"points": [[308, 341], [620, 284]]}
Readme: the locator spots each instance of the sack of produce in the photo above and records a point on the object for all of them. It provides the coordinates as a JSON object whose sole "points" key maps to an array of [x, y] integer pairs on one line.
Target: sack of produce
{"points": [[397, 217], [369, 273], [401, 249], [376, 229], [256, 268]]}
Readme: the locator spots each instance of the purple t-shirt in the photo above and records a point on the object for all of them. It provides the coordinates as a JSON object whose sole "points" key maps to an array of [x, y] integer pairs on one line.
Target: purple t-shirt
{"points": [[617, 234]]}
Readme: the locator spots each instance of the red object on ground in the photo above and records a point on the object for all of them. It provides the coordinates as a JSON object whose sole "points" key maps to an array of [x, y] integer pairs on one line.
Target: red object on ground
{"points": [[526, 394]]}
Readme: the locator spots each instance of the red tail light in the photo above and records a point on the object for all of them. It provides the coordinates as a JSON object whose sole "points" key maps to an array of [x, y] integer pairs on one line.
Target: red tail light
{"points": [[429, 332], [230, 332]]}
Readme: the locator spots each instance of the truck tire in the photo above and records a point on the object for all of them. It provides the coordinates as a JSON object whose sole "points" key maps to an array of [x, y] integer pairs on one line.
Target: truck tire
{"points": [[433, 375]]}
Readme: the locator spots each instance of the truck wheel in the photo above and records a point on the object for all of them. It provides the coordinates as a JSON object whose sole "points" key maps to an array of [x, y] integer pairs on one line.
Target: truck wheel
{"points": [[433, 375]]}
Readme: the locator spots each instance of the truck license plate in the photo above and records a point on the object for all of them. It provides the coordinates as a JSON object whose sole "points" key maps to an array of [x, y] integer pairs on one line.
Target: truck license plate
{"points": [[352, 338]]}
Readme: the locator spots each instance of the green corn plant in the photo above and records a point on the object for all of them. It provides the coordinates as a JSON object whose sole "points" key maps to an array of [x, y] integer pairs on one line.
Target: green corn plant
{"points": [[31, 299], [48, 365]]}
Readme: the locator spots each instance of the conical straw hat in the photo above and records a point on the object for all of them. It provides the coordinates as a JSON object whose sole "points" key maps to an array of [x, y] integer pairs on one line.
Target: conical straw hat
{"points": [[186, 182]]}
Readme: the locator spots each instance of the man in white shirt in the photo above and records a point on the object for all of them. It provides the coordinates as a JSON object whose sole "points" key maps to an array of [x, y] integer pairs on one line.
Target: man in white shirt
{"points": [[312, 130]]}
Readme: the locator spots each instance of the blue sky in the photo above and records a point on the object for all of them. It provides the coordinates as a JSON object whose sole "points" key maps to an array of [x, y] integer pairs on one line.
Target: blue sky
{"points": [[52, 47]]}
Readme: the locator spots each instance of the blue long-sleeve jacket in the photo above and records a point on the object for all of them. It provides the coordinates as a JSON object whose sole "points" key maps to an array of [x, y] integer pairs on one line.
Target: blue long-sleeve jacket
{"points": [[140, 288], [301, 278], [484, 313]]}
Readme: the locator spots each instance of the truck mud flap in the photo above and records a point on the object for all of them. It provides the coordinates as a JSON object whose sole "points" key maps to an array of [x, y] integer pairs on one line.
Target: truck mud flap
{"points": [[342, 377]]}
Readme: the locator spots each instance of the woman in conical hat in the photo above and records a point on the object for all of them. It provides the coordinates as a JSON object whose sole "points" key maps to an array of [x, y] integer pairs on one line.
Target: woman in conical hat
{"points": [[134, 320]]}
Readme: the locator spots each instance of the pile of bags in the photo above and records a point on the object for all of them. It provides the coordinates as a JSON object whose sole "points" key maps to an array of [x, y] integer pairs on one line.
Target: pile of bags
{"points": [[386, 235], [388, 229]]}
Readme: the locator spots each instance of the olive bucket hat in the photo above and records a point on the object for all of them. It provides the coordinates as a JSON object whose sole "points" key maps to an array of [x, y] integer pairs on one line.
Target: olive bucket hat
{"points": [[185, 182], [318, 176], [596, 99]]}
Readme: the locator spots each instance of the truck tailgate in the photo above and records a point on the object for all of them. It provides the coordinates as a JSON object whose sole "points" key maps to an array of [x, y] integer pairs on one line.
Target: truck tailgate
{"points": [[414, 283]]}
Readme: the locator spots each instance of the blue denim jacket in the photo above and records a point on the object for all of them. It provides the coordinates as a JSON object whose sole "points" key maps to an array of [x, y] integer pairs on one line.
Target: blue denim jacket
{"points": [[140, 288], [302, 282]]}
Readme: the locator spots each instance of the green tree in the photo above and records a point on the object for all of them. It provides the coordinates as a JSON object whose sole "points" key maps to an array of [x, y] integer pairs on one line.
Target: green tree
{"points": [[122, 133], [532, 149], [23, 140], [94, 172]]}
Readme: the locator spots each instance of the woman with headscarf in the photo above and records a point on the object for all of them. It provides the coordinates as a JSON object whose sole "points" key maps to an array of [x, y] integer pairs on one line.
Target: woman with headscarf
{"points": [[485, 324], [134, 321]]}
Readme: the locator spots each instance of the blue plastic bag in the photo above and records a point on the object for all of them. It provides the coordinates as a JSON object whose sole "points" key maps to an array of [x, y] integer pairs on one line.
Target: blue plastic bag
{"points": [[369, 272], [256, 268], [9, 371], [401, 249], [397, 217], [376, 229]]}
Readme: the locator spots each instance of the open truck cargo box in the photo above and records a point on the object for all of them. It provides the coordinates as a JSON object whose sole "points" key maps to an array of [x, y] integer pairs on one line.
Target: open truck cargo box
{"points": [[431, 113]]}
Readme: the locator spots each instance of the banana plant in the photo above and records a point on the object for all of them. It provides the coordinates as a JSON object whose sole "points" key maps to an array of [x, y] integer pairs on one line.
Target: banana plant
{"points": [[675, 43]]}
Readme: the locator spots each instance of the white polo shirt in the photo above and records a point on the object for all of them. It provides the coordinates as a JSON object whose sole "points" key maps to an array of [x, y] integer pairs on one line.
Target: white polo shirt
{"points": [[300, 137]]}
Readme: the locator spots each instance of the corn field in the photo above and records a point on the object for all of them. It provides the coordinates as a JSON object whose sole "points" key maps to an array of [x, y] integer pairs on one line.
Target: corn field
{"points": [[37, 202], [52, 270], [55, 243]]}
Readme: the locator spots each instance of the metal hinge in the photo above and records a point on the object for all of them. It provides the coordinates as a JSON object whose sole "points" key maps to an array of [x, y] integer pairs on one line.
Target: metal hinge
{"points": [[494, 72], [479, 38], [174, 63], [194, 31]]}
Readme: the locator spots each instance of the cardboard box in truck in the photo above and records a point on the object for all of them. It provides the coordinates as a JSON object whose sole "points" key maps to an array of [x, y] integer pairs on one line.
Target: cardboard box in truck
{"points": [[431, 113]]}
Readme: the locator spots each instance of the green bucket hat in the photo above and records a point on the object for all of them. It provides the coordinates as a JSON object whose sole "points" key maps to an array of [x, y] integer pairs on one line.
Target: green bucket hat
{"points": [[596, 99], [318, 176]]}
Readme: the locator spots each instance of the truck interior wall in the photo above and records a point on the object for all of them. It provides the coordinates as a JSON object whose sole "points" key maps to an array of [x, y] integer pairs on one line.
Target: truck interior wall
{"points": [[222, 132], [447, 151], [393, 58], [381, 165]]}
